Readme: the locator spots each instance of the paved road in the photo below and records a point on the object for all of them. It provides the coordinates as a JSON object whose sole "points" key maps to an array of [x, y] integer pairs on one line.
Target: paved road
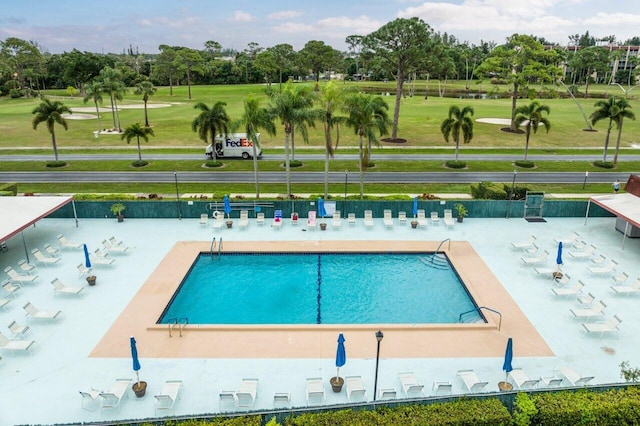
{"points": [[309, 177]]}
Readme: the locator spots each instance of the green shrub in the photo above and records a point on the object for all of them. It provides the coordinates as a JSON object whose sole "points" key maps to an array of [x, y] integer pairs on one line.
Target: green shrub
{"points": [[525, 164], [603, 164], [488, 191], [139, 163], [223, 421], [452, 164], [55, 164], [211, 163], [10, 187], [6, 194], [295, 163], [524, 409], [16, 93], [103, 197]]}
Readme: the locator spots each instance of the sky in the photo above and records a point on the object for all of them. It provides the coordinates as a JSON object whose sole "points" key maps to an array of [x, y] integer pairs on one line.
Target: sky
{"points": [[112, 26]]}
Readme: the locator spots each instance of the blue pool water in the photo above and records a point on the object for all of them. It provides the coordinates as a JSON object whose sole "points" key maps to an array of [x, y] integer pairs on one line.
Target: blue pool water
{"points": [[314, 288]]}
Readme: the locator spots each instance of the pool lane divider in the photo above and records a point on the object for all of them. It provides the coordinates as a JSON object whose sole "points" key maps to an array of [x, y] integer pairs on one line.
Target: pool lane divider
{"points": [[319, 295]]}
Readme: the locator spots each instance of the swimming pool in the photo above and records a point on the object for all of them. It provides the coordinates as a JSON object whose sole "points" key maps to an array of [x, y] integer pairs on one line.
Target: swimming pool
{"points": [[320, 288]]}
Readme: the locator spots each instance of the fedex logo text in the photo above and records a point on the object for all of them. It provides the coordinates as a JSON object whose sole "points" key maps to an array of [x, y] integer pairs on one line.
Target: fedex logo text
{"points": [[239, 143]]}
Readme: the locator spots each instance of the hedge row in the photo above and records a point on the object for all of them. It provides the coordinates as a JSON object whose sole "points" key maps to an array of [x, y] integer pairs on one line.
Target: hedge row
{"points": [[9, 188]]}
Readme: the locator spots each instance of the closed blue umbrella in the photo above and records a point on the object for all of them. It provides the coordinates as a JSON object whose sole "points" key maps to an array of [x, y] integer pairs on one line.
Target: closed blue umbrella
{"points": [[87, 260], [559, 257], [508, 357], [134, 356], [322, 212], [415, 206], [227, 206], [341, 354]]}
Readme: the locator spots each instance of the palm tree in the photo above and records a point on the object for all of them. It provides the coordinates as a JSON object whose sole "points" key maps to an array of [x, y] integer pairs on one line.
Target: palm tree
{"points": [[146, 89], [608, 109], [136, 130], [293, 107], [531, 116], [622, 113], [459, 120], [252, 120], [50, 112], [332, 97], [93, 91], [112, 84], [210, 122], [366, 115]]}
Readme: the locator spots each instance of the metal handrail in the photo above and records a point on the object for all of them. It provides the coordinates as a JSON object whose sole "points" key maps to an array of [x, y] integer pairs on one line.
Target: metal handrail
{"points": [[478, 310], [213, 245], [219, 247], [172, 322], [440, 245]]}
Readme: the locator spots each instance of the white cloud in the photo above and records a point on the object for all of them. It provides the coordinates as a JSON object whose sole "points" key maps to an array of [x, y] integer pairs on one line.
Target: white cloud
{"points": [[360, 25], [293, 28], [284, 14], [240, 16]]}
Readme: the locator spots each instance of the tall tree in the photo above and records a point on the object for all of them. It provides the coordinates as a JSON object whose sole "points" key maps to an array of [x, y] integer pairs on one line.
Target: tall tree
{"points": [[522, 60], [136, 130], [292, 107], [93, 91], [189, 61], [623, 111], [146, 89], [166, 65], [22, 57], [367, 115], [112, 84], [211, 122], [355, 44], [283, 54], [589, 61], [614, 110], [50, 112], [401, 45], [459, 121], [252, 120], [317, 56], [532, 116]]}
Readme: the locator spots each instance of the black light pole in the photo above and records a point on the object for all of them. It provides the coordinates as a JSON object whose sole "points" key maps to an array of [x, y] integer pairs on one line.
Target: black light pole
{"points": [[346, 181], [175, 175], [586, 175], [379, 337], [513, 187]]}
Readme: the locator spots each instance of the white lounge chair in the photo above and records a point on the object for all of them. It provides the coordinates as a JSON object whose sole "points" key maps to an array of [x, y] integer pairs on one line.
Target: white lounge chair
{"points": [[351, 219], [620, 278], [535, 260], [218, 221], [551, 382], [90, 399], [15, 277], [167, 397], [586, 300], [101, 261], [244, 219], [315, 391], [4, 302], [606, 269], [46, 260], [435, 219], [387, 218], [11, 288], [572, 377], [260, 219], [627, 289], [115, 394], [524, 244], [596, 311], [247, 394], [571, 239], [311, 220], [402, 218], [33, 312], [355, 389], [387, 394], [569, 291], [84, 271], [228, 400], [60, 288], [410, 385], [17, 329], [598, 260], [277, 219], [583, 254], [336, 220], [546, 272], [448, 218], [521, 380], [204, 219], [115, 242], [51, 251], [602, 327], [368, 219], [281, 400], [24, 346], [29, 268], [64, 243], [422, 219], [110, 248], [442, 388], [295, 219], [471, 380]]}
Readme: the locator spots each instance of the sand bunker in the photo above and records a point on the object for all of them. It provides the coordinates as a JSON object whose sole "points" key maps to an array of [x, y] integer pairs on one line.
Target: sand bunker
{"points": [[500, 121], [78, 116], [120, 107]]}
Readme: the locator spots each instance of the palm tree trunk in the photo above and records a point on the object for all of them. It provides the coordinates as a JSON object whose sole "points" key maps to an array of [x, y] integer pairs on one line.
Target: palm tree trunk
{"points": [[514, 101], [189, 82], [457, 146], [287, 169], [214, 157], [615, 155], [606, 142], [146, 116], [98, 114], [113, 111], [361, 171], [170, 85], [526, 143], [327, 147], [396, 110], [139, 152], [55, 145], [293, 142], [255, 170]]}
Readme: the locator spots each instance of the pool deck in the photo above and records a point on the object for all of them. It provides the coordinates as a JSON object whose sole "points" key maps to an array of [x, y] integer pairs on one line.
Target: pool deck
{"points": [[89, 347]]}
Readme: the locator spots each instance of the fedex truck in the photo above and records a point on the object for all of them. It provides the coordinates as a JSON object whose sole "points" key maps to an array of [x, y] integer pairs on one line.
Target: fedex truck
{"points": [[233, 145]]}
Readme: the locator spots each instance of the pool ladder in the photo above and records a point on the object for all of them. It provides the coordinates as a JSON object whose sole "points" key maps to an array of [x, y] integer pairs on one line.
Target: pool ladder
{"points": [[438, 260], [177, 322], [213, 247], [478, 309]]}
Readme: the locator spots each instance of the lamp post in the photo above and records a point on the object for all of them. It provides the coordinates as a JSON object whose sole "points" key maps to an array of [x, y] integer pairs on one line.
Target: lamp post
{"points": [[346, 181], [379, 337], [513, 187], [175, 176], [586, 175]]}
